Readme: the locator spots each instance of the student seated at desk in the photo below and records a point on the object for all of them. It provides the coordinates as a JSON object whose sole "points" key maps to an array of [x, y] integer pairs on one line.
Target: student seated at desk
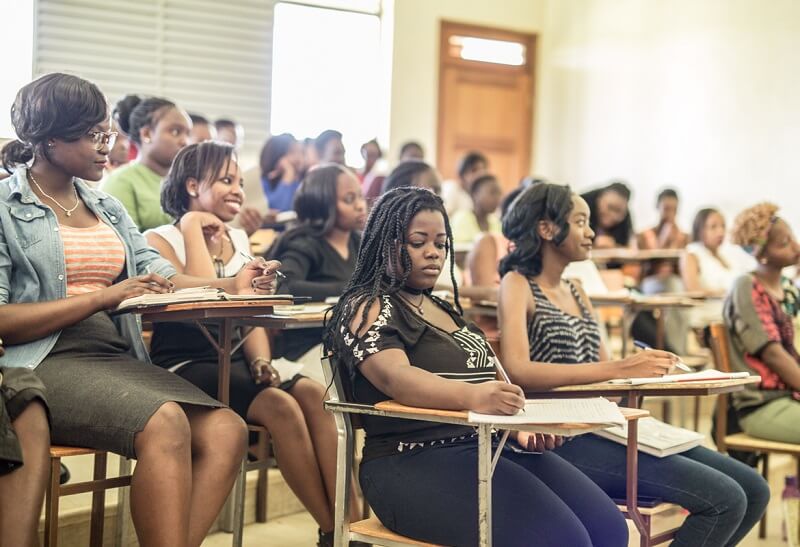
{"points": [[551, 339], [71, 254], [481, 219], [24, 455], [711, 265], [611, 217], [159, 128], [203, 191], [393, 340], [319, 254], [759, 312], [281, 164]]}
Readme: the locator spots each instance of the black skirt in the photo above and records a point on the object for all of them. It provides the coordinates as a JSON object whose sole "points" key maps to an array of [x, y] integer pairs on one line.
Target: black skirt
{"points": [[99, 395]]}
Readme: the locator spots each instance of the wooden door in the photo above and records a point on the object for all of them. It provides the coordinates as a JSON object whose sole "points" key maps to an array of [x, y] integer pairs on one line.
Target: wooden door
{"points": [[486, 105]]}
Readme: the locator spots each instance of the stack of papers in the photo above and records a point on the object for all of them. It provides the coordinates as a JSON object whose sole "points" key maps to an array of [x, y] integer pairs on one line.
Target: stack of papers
{"points": [[194, 294], [710, 375], [597, 410], [655, 437]]}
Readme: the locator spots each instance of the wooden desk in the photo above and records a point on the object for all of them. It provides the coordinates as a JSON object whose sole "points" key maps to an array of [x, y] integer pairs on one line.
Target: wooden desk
{"points": [[657, 304], [636, 393], [222, 314], [487, 461], [603, 256]]}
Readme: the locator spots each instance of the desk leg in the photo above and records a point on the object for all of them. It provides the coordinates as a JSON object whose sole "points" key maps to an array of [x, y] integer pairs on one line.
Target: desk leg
{"points": [[632, 482], [485, 485], [224, 371]]}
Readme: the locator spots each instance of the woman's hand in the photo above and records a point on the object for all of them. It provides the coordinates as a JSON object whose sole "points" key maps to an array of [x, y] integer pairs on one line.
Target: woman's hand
{"points": [[538, 442], [264, 373], [213, 228], [112, 296], [646, 364], [496, 398], [258, 277]]}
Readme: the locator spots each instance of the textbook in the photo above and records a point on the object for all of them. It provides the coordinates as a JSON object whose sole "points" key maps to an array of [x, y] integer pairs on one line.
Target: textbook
{"points": [[655, 437], [710, 375], [595, 410], [194, 294]]}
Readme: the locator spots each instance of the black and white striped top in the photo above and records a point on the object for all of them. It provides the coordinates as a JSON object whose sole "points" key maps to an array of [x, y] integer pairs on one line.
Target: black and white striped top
{"points": [[559, 337]]}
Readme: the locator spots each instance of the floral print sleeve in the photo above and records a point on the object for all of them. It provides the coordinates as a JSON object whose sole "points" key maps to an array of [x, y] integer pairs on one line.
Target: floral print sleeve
{"points": [[390, 330]]}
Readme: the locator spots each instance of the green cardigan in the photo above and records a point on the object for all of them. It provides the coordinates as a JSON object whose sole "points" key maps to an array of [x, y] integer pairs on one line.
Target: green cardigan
{"points": [[139, 189]]}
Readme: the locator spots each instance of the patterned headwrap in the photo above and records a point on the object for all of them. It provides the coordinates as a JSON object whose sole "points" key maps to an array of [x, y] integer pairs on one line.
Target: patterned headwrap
{"points": [[752, 226]]}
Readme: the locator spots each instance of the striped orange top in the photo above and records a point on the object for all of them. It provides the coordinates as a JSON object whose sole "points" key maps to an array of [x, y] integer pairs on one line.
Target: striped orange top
{"points": [[94, 257]]}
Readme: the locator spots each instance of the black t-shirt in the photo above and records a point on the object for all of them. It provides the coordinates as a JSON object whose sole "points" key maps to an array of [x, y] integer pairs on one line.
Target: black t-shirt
{"points": [[312, 268], [463, 355]]}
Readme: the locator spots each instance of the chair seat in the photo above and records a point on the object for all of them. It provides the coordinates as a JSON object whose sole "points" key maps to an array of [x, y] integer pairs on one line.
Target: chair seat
{"points": [[655, 510], [65, 451], [372, 531], [744, 442]]}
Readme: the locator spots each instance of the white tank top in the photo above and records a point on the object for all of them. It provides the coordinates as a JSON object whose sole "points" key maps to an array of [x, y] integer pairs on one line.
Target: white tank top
{"points": [[172, 234]]}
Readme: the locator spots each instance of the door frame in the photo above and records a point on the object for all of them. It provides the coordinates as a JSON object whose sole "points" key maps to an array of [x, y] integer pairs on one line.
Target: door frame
{"points": [[449, 28]]}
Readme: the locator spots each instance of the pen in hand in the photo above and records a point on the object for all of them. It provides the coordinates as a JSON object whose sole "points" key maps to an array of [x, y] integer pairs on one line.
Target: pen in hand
{"points": [[249, 257], [642, 346]]}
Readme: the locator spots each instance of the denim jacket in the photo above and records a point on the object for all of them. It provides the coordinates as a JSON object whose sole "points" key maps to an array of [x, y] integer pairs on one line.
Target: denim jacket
{"points": [[32, 266]]}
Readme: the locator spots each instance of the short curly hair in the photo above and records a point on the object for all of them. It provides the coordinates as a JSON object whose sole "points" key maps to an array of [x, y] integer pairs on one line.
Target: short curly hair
{"points": [[751, 227]]}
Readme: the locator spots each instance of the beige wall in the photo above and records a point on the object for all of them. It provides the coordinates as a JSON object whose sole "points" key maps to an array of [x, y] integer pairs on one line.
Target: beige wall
{"points": [[703, 95], [415, 58]]}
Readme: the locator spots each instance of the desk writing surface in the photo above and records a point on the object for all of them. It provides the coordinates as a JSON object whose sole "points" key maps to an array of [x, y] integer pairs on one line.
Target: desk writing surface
{"points": [[634, 255], [674, 388], [207, 310], [394, 406]]}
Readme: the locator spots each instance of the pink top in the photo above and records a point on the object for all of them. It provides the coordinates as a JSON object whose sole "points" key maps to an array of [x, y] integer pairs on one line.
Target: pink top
{"points": [[94, 256]]}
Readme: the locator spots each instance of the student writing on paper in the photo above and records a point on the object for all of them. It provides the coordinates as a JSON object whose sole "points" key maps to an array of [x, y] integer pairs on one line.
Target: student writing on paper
{"points": [[551, 338], [392, 339], [759, 312], [71, 253], [203, 191]]}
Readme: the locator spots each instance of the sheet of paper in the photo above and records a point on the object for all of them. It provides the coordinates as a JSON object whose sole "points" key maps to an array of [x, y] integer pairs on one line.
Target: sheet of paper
{"points": [[287, 369], [704, 375], [597, 410]]}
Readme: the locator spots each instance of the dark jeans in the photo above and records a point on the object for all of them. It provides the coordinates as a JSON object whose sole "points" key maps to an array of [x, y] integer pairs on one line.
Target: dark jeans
{"points": [[430, 494], [725, 497]]}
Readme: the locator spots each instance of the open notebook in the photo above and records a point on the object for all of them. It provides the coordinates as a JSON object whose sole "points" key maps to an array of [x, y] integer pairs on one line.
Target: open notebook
{"points": [[596, 410], [655, 437], [710, 375], [194, 294]]}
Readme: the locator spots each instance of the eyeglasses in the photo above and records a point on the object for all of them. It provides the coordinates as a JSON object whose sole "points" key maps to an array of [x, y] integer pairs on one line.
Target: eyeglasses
{"points": [[103, 138]]}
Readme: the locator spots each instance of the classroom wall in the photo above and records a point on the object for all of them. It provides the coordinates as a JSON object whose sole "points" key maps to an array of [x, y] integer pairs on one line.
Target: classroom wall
{"points": [[415, 58], [704, 96]]}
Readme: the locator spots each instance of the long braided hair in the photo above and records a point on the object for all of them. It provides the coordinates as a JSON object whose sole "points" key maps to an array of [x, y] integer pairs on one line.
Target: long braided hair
{"points": [[383, 247]]}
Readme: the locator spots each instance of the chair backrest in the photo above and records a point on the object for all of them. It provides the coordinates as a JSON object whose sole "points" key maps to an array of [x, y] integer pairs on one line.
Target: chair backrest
{"points": [[720, 349], [339, 386]]}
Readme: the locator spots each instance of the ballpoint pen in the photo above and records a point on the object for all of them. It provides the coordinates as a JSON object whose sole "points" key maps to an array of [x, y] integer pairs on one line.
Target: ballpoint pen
{"points": [[641, 345], [249, 257]]}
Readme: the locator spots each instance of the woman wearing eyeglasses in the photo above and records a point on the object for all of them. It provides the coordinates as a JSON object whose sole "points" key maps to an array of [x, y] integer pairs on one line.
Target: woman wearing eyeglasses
{"points": [[68, 255], [159, 129]]}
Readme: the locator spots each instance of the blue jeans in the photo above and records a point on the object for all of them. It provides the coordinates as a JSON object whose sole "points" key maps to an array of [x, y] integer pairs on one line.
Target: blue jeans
{"points": [[431, 494], [725, 497]]}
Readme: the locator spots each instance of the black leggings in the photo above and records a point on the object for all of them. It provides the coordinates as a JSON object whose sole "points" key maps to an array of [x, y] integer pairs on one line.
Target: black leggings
{"points": [[430, 494]]}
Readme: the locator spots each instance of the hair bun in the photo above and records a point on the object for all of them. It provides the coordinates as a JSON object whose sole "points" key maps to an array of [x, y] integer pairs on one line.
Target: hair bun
{"points": [[122, 111]]}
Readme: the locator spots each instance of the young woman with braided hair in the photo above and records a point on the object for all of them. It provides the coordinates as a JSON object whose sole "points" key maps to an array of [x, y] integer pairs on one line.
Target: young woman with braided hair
{"points": [[392, 339]]}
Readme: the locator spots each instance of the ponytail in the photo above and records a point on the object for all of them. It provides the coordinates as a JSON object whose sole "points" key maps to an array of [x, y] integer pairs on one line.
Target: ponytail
{"points": [[15, 153]]}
